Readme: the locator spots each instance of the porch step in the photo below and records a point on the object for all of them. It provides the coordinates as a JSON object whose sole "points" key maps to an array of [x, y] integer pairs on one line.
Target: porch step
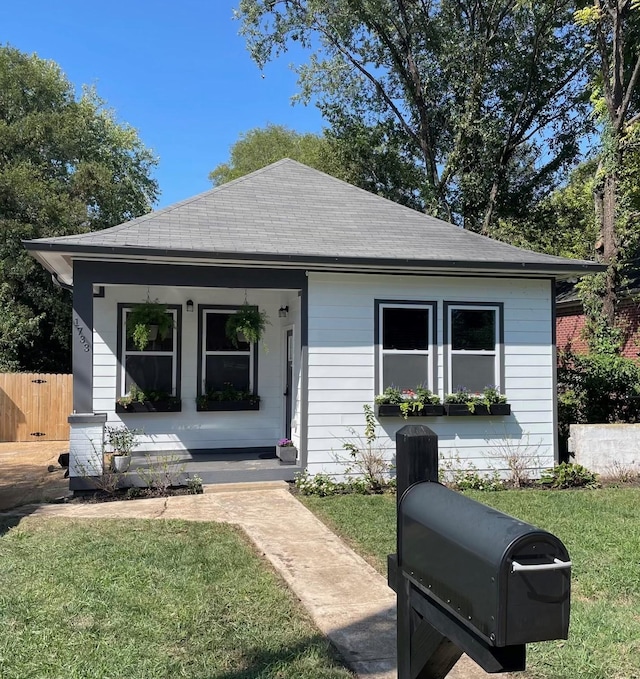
{"points": [[244, 487]]}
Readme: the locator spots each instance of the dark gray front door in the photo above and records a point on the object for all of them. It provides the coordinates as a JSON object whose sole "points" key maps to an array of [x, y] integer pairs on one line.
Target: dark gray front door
{"points": [[288, 383]]}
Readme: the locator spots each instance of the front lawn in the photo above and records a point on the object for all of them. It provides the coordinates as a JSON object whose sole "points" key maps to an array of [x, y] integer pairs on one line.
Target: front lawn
{"points": [[148, 599], [601, 529]]}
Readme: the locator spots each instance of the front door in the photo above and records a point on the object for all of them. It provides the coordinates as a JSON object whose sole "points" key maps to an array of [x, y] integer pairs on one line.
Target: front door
{"points": [[288, 382]]}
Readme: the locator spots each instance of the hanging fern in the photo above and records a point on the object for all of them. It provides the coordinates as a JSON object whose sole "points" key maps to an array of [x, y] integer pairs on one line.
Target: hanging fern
{"points": [[144, 315]]}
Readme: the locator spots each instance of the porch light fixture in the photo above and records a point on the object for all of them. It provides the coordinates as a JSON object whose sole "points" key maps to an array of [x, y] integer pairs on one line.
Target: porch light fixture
{"points": [[283, 311], [189, 305]]}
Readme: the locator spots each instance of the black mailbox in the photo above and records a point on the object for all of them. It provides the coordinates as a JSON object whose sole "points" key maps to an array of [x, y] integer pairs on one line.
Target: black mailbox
{"points": [[505, 580]]}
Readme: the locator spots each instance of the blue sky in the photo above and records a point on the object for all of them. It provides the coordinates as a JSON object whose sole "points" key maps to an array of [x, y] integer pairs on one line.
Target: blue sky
{"points": [[175, 70]]}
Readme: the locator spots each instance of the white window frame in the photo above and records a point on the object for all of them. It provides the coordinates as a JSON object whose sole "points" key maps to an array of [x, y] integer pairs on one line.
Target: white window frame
{"points": [[205, 353], [473, 352], [135, 352], [428, 352]]}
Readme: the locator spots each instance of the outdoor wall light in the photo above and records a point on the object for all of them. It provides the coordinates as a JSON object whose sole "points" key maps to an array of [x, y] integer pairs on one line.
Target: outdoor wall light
{"points": [[189, 305], [283, 311]]}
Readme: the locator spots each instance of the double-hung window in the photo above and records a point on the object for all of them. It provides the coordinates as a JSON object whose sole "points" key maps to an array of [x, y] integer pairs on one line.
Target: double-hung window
{"points": [[223, 364], [155, 369], [405, 345], [474, 333]]}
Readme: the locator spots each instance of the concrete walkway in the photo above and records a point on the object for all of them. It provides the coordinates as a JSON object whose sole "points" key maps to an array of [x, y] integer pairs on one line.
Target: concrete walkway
{"points": [[348, 600]]}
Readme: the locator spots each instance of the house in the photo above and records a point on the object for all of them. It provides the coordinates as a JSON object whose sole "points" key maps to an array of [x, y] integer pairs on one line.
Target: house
{"points": [[361, 294], [570, 318]]}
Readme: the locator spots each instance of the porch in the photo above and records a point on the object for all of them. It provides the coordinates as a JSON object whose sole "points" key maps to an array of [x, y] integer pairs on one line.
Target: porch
{"points": [[212, 466]]}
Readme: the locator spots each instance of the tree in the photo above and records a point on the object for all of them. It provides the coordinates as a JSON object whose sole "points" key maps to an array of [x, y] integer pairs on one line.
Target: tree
{"points": [[614, 26], [562, 223], [486, 95], [368, 157], [260, 147], [66, 167]]}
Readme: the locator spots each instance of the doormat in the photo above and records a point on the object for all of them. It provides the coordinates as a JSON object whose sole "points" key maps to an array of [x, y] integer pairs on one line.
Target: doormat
{"points": [[267, 456]]}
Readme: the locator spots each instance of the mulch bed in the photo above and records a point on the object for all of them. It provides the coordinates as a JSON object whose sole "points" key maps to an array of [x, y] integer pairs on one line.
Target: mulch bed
{"points": [[93, 496]]}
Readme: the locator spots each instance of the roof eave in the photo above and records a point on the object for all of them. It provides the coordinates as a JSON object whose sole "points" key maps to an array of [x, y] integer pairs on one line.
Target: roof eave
{"points": [[45, 253]]}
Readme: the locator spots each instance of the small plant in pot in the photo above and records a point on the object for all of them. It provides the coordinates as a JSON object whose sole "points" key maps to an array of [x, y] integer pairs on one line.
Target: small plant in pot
{"points": [[121, 440], [146, 321], [286, 451], [247, 324]]}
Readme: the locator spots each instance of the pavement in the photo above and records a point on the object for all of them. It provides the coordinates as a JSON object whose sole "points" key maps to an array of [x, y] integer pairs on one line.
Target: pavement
{"points": [[29, 472], [348, 600]]}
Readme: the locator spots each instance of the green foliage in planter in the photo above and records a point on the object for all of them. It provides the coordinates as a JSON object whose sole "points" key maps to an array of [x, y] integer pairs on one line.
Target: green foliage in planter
{"points": [[140, 319], [137, 395], [227, 393], [409, 400], [490, 395], [121, 439], [249, 321]]}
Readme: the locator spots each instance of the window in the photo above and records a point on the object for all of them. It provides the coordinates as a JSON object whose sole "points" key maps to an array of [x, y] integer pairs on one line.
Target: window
{"points": [[156, 368], [405, 356], [222, 363], [474, 346]]}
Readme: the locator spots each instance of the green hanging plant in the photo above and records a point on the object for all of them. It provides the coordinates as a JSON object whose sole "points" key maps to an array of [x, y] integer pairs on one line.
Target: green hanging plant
{"points": [[143, 317], [249, 321]]}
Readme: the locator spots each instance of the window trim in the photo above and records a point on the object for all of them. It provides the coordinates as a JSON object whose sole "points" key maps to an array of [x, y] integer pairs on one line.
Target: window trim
{"points": [[498, 307], [432, 350], [176, 309], [253, 352]]}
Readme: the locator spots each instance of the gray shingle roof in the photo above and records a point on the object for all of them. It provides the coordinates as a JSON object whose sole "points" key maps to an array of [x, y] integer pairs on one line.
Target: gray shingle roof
{"points": [[288, 210]]}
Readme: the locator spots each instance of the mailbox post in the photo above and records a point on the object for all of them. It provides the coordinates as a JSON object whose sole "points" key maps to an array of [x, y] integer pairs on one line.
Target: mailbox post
{"points": [[468, 578]]}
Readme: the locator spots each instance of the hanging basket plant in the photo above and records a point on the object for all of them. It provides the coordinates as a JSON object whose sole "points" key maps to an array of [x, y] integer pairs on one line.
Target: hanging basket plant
{"points": [[146, 320], [248, 322]]}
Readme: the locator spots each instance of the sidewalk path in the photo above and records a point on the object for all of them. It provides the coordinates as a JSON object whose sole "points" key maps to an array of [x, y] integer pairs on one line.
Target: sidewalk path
{"points": [[348, 600]]}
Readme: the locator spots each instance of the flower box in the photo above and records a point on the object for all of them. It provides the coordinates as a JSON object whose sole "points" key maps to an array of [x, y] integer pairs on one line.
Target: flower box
{"points": [[462, 409], [393, 410], [161, 406], [287, 454], [218, 406]]}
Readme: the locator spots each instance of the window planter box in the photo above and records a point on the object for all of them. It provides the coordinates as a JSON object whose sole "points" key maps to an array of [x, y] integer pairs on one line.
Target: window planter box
{"points": [[165, 406], [393, 410], [218, 406], [462, 409]]}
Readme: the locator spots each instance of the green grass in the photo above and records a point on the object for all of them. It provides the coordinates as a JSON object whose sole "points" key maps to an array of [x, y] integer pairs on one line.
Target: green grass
{"points": [[601, 529], [148, 599]]}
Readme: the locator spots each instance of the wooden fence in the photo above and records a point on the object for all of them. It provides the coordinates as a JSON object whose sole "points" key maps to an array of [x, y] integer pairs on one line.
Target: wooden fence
{"points": [[35, 407]]}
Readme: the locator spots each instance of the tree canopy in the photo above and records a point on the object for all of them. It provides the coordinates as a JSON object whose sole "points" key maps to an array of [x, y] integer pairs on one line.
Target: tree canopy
{"points": [[66, 166], [260, 147], [369, 157], [488, 98]]}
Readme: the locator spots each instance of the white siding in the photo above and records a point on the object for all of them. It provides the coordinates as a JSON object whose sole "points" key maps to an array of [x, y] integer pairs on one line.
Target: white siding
{"points": [[189, 428], [342, 367]]}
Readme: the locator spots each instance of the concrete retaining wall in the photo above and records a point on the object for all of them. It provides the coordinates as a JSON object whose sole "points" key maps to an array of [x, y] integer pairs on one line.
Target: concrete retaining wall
{"points": [[607, 449]]}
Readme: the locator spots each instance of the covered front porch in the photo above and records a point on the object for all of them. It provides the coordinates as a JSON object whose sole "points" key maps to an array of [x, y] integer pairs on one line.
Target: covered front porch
{"points": [[217, 407], [211, 466]]}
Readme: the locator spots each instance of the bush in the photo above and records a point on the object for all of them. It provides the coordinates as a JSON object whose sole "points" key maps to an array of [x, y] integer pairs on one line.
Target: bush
{"points": [[568, 475], [597, 389]]}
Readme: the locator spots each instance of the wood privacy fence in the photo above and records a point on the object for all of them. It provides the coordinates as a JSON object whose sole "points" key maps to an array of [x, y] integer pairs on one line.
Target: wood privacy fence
{"points": [[35, 406]]}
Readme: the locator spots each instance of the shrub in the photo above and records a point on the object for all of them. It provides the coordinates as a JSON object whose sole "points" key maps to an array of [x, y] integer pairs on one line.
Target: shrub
{"points": [[597, 389], [568, 475], [320, 484], [366, 455]]}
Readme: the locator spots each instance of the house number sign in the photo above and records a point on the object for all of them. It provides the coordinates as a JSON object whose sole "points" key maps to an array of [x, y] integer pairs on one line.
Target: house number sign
{"points": [[80, 330]]}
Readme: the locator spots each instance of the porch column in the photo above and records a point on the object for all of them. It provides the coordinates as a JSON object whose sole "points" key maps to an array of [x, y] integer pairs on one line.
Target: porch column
{"points": [[82, 342], [86, 433]]}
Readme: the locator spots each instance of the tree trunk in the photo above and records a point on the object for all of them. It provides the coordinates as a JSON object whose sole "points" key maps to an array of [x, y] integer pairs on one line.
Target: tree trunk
{"points": [[609, 244]]}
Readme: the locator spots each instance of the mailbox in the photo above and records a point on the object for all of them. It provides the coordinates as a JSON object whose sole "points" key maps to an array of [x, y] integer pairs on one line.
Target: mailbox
{"points": [[505, 580]]}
